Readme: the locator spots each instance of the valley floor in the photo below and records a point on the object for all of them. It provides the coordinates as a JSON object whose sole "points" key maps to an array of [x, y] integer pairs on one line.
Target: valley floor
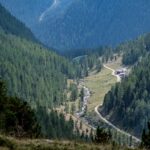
{"points": [[100, 83]]}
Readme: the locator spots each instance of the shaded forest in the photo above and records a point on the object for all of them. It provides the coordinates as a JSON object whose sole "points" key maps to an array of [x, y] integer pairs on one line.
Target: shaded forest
{"points": [[127, 103]]}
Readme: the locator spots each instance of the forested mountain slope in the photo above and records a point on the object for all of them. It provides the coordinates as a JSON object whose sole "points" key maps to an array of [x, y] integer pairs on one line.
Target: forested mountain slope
{"points": [[32, 72], [35, 75], [11, 25], [77, 24], [127, 103], [16, 116]]}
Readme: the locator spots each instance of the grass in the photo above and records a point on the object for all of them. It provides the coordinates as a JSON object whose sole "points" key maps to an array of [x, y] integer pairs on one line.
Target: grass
{"points": [[100, 83], [115, 64], [9, 143]]}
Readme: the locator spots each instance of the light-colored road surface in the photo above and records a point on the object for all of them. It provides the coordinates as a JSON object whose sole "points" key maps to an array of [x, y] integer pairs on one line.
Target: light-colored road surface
{"points": [[113, 73], [108, 122]]}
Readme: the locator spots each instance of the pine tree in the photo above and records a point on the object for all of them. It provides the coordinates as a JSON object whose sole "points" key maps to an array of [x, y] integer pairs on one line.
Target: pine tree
{"points": [[146, 137], [102, 136], [99, 65]]}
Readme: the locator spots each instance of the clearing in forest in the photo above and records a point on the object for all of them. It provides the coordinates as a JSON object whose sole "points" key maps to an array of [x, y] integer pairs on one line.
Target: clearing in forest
{"points": [[100, 83]]}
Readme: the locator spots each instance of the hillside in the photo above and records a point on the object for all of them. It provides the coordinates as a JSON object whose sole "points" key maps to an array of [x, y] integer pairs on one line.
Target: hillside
{"points": [[28, 10], [11, 25], [83, 23], [24, 62], [127, 103], [50, 97], [35, 75], [33, 72]]}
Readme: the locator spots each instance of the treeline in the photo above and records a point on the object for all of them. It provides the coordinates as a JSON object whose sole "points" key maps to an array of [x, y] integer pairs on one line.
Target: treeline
{"points": [[146, 137], [11, 25], [54, 124], [19, 120], [127, 103], [16, 116], [81, 52], [133, 51], [88, 63], [32, 72], [35, 74]]}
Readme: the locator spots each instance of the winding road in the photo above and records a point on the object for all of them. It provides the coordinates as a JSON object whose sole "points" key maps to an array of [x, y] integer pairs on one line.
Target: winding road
{"points": [[113, 73], [108, 122]]}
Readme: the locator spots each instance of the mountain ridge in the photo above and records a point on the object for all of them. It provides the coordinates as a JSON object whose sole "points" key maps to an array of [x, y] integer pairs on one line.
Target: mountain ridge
{"points": [[84, 23]]}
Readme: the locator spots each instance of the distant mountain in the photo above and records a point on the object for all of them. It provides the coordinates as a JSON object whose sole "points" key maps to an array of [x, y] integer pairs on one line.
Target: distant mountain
{"points": [[11, 25], [78, 24], [27, 10]]}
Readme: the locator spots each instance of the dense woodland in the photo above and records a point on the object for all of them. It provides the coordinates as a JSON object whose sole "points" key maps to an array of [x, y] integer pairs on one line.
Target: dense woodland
{"points": [[127, 103], [16, 116], [34, 74], [31, 72], [37, 78], [133, 50], [55, 124], [11, 25], [19, 120]]}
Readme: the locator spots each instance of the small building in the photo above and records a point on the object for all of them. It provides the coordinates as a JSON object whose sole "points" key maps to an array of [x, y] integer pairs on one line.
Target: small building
{"points": [[121, 72], [122, 75]]}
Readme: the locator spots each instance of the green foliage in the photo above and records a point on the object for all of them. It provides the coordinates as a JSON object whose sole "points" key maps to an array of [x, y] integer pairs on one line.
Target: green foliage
{"points": [[17, 119], [80, 104], [102, 136], [73, 108], [99, 66], [35, 74], [54, 125], [133, 51], [16, 116], [128, 102], [146, 138], [74, 92], [88, 62], [82, 94], [6, 143], [32, 72]]}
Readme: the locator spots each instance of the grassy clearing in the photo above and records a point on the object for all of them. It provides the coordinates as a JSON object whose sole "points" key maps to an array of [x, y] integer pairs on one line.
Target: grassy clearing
{"points": [[100, 83], [9, 143], [115, 64]]}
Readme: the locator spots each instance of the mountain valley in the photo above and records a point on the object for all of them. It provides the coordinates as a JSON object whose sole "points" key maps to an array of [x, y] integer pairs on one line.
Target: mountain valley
{"points": [[74, 74]]}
